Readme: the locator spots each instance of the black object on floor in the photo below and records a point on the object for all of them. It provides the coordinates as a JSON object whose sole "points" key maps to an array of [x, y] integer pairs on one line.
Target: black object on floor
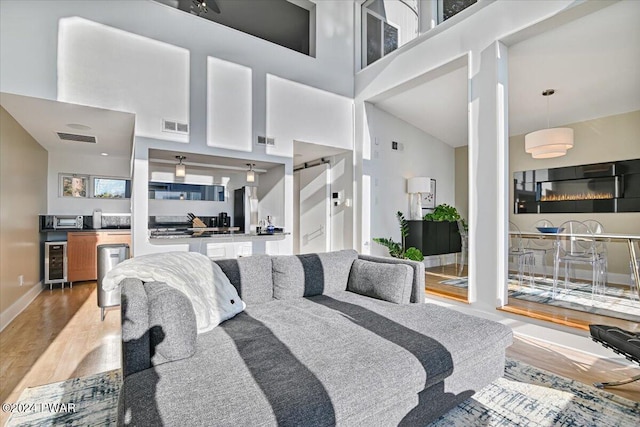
{"points": [[621, 342]]}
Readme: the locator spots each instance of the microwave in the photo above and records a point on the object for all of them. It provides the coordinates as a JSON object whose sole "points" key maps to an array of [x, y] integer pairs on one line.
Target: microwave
{"points": [[68, 222]]}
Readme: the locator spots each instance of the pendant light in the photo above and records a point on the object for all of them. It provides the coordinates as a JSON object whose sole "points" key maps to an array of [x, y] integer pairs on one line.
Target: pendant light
{"points": [[550, 142], [181, 169], [251, 174]]}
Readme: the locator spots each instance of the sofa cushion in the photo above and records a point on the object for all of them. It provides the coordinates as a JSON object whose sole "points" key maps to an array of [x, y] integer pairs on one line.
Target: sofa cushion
{"points": [[298, 276], [172, 323], [389, 282], [251, 276], [417, 292], [324, 360]]}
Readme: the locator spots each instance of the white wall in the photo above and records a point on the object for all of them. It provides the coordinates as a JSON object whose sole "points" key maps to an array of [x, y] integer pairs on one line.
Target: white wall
{"points": [[109, 68], [271, 194], [303, 113], [68, 162], [229, 105], [28, 65], [22, 199], [421, 155], [342, 221], [275, 199]]}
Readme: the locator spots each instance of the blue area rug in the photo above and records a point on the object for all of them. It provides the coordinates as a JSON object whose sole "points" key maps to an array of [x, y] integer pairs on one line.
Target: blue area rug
{"points": [[526, 396], [616, 302]]}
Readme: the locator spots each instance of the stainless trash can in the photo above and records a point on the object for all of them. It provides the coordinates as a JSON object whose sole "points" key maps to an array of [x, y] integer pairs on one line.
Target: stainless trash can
{"points": [[108, 257]]}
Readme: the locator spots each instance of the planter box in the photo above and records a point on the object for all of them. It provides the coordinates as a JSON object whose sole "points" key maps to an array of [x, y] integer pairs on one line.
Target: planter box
{"points": [[434, 237]]}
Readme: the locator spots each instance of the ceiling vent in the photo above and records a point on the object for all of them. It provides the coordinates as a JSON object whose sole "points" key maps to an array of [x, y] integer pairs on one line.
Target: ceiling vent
{"points": [[175, 127], [76, 138]]}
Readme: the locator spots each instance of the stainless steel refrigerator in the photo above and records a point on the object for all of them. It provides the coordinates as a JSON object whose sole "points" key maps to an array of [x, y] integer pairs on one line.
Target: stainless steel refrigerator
{"points": [[245, 209]]}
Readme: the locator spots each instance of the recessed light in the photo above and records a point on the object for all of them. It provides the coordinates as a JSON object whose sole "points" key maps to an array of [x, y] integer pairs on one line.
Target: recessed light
{"points": [[104, 154], [78, 126]]}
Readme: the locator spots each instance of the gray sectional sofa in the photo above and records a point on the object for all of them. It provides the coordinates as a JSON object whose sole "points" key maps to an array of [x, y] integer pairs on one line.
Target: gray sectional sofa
{"points": [[326, 339]]}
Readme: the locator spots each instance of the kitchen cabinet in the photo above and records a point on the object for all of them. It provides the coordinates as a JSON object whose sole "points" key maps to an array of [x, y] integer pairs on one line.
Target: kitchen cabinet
{"points": [[82, 252]]}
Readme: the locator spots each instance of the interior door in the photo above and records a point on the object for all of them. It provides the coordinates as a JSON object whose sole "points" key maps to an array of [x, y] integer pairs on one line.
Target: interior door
{"points": [[315, 209]]}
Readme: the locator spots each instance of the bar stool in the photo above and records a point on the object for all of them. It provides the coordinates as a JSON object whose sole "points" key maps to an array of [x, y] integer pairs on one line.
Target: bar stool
{"points": [[464, 238], [573, 249], [600, 250], [541, 245], [524, 257]]}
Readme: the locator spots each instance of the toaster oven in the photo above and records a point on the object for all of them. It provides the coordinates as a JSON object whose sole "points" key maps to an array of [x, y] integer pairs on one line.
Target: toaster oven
{"points": [[68, 222]]}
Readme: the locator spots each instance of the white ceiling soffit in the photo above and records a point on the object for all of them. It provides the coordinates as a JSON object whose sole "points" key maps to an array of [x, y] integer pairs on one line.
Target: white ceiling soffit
{"points": [[306, 152], [435, 102], [593, 63], [207, 161], [43, 119]]}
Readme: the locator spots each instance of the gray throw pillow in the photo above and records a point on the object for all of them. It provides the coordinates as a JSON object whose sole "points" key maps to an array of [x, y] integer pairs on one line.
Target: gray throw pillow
{"points": [[389, 282], [297, 276], [172, 322]]}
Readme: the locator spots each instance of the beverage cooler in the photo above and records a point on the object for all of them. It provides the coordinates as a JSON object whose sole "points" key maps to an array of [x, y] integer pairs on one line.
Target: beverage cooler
{"points": [[55, 263], [108, 257]]}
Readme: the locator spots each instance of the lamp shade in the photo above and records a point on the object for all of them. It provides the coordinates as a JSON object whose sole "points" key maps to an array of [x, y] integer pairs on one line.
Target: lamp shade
{"points": [[181, 170], [419, 184], [251, 176], [548, 143]]}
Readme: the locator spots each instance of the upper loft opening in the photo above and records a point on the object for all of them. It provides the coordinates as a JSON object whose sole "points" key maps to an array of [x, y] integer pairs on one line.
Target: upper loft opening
{"points": [[288, 23], [390, 24]]}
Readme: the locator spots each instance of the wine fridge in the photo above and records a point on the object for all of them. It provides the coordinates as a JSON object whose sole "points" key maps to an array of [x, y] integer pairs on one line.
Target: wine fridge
{"points": [[55, 263]]}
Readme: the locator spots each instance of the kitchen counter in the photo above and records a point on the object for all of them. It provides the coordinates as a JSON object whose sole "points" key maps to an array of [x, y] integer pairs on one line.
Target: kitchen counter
{"points": [[212, 237]]}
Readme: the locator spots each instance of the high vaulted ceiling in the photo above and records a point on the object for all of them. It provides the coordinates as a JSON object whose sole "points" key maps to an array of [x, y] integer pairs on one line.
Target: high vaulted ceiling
{"points": [[592, 62]]}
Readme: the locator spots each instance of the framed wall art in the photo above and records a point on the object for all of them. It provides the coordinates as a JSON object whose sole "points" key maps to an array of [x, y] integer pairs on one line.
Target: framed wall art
{"points": [[74, 185], [429, 199]]}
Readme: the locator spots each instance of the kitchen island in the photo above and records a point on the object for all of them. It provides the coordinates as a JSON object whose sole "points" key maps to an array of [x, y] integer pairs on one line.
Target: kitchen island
{"points": [[219, 243]]}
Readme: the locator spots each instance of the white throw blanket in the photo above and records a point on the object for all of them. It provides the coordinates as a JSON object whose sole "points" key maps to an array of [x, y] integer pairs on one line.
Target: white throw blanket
{"points": [[192, 273]]}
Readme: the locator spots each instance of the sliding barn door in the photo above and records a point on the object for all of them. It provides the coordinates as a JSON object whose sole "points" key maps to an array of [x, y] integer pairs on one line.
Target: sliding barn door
{"points": [[315, 209]]}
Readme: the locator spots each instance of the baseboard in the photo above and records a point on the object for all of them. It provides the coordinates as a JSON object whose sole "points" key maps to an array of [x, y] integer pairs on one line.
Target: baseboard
{"points": [[17, 307]]}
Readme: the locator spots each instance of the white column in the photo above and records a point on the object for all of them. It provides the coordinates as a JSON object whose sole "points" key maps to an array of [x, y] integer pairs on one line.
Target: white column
{"points": [[488, 177]]}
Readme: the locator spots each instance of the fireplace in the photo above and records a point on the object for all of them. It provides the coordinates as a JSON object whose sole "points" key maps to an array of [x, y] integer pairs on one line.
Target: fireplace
{"points": [[601, 187]]}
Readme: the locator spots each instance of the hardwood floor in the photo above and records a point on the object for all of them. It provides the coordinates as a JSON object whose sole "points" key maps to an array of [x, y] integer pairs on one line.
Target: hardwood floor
{"points": [[435, 275], [546, 312], [60, 336], [577, 365]]}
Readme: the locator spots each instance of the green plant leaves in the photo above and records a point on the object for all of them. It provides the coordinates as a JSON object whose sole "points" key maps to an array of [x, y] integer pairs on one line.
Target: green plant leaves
{"points": [[414, 254], [443, 212], [396, 249]]}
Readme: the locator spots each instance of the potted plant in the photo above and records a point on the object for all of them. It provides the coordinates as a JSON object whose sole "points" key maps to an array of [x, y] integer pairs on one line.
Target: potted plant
{"points": [[397, 250]]}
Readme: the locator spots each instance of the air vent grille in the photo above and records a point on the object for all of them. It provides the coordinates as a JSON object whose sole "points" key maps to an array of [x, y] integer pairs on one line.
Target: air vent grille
{"points": [[175, 127], [266, 141], [76, 138]]}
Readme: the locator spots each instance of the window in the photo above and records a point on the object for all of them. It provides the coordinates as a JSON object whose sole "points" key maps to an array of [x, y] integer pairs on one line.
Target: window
{"points": [[449, 8], [387, 25], [111, 188], [74, 185], [179, 191]]}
